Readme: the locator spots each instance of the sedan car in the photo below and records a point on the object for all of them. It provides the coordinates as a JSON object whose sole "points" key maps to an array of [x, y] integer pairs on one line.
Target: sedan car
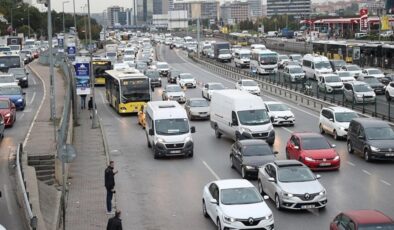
{"points": [[154, 76], [248, 155], [187, 80], [15, 94], [280, 112], [313, 150], [249, 86], [372, 72], [174, 93], [345, 76], [211, 87], [362, 220], [293, 73], [197, 108], [236, 204], [337, 64], [387, 79], [374, 83], [21, 75], [354, 69], [8, 111], [163, 69], [292, 185]]}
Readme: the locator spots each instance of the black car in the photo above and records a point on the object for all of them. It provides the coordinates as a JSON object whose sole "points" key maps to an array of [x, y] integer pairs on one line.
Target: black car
{"points": [[375, 84], [387, 79], [374, 139], [337, 64], [248, 155], [154, 75], [172, 78], [21, 75]]}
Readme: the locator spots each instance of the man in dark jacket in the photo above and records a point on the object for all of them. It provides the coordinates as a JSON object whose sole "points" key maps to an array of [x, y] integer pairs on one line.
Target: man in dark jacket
{"points": [[115, 223], [110, 185]]}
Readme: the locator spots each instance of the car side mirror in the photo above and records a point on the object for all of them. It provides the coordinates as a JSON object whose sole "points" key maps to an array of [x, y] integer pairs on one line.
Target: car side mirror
{"points": [[331, 119], [265, 197], [276, 152], [192, 129], [151, 132], [297, 147], [318, 176], [271, 179], [214, 201], [272, 119]]}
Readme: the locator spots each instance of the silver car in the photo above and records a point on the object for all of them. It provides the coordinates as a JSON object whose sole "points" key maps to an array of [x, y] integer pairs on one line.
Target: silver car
{"points": [[358, 92], [292, 185], [197, 108]]}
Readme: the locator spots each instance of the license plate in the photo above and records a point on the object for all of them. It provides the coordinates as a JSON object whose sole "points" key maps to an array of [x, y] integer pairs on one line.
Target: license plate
{"points": [[389, 154], [308, 206], [286, 122], [175, 151], [325, 164]]}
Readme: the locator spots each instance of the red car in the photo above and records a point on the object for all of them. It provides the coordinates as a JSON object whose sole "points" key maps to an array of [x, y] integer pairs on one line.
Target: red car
{"points": [[313, 150], [362, 219], [8, 110]]}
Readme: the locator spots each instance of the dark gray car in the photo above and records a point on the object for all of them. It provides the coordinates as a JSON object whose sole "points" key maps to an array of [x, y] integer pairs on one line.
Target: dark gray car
{"points": [[21, 75], [248, 155]]}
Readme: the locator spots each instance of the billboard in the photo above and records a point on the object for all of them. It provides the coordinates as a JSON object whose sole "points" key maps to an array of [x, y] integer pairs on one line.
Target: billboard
{"points": [[82, 75]]}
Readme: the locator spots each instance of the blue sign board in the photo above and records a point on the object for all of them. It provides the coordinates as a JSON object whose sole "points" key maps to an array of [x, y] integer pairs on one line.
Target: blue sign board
{"points": [[71, 50], [82, 77]]}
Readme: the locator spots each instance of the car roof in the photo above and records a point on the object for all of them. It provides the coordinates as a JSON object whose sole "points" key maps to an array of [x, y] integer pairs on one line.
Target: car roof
{"points": [[287, 163], [273, 102], [214, 83], [339, 109], [293, 66], [368, 216], [356, 82], [253, 142], [197, 99], [172, 85], [233, 183], [247, 80], [370, 122]]}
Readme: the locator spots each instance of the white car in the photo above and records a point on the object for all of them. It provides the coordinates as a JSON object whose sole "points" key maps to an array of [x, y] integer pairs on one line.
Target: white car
{"points": [[173, 92], [345, 76], [210, 87], [187, 80], [373, 72], [280, 112], [354, 69], [329, 83], [282, 59], [390, 91], [236, 204], [335, 121], [249, 86]]}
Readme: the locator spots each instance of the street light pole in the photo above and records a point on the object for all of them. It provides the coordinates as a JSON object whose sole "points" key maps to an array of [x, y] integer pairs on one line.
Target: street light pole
{"points": [[94, 117], [64, 24], [28, 18]]}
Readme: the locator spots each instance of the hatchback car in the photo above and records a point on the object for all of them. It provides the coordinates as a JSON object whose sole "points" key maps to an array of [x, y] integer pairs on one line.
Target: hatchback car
{"points": [[313, 150], [21, 75], [197, 108], [362, 220], [292, 185], [8, 111], [174, 93], [345, 76], [372, 72], [330, 83], [211, 87], [372, 138], [247, 156], [374, 83], [354, 69], [282, 59], [293, 73], [249, 86], [15, 94], [187, 80], [335, 121], [163, 69], [154, 76], [280, 113], [387, 79], [337, 64], [358, 92], [236, 204]]}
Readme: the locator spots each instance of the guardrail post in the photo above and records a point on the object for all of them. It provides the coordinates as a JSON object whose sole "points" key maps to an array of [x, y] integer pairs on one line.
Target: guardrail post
{"points": [[325, 92], [363, 104], [376, 109], [343, 98], [389, 106]]}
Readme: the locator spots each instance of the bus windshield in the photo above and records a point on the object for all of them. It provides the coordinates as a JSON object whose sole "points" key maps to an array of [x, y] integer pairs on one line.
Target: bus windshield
{"points": [[269, 59], [7, 62], [135, 90]]}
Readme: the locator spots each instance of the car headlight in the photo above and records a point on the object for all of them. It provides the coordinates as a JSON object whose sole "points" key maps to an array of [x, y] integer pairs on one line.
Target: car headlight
{"points": [[375, 149], [159, 78], [245, 130], [270, 216], [286, 194], [187, 139], [229, 219], [309, 159], [248, 167], [342, 128], [336, 158], [24, 78], [322, 193], [359, 95], [20, 100], [8, 115]]}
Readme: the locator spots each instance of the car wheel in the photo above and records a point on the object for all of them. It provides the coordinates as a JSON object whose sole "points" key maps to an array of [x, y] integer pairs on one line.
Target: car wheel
{"points": [[204, 209], [243, 173], [321, 129], [367, 155], [202, 95], [350, 147], [217, 133], [260, 187], [191, 154], [232, 162], [335, 135], [148, 143], [277, 202], [219, 225], [155, 155], [388, 96]]}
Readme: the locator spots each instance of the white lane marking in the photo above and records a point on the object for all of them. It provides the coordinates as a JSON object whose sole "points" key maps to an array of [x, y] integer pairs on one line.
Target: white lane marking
{"points": [[20, 117], [32, 98], [39, 107], [211, 170], [232, 82], [385, 182], [7, 199], [34, 81], [350, 163], [287, 130], [366, 172]]}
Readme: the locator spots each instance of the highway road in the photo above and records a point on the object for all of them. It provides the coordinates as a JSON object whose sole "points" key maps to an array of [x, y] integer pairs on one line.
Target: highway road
{"points": [[10, 212], [166, 193]]}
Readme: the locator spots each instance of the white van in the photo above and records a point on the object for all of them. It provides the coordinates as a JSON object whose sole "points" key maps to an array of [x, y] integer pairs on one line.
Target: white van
{"points": [[242, 58], [315, 65], [240, 115], [258, 46], [264, 61], [168, 131]]}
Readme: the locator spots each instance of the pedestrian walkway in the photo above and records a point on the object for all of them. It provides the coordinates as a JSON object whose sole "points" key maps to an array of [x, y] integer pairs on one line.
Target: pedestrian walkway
{"points": [[86, 200]]}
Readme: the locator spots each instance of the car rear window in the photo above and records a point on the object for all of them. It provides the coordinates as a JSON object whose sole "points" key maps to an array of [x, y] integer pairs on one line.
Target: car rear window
{"points": [[310, 143]]}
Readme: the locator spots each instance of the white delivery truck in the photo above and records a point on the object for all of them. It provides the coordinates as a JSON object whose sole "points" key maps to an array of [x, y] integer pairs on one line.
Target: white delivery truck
{"points": [[168, 131], [240, 115]]}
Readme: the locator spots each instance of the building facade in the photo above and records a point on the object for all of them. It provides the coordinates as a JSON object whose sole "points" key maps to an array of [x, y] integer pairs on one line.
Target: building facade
{"points": [[160, 7], [234, 12], [203, 9], [144, 11], [112, 13], [256, 8], [177, 19], [288, 7]]}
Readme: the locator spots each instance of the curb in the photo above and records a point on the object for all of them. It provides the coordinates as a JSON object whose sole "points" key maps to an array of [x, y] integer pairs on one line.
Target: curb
{"points": [[105, 141]]}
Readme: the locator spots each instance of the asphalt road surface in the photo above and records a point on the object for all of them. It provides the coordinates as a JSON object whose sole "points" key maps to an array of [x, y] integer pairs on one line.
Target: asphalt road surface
{"points": [[10, 212], [166, 194]]}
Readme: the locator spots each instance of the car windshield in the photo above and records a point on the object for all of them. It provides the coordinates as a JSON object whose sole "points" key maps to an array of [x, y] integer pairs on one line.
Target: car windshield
{"points": [[345, 74], [253, 117], [5, 49], [141, 65], [257, 150], [296, 57], [224, 51], [186, 76], [153, 74], [374, 71], [162, 66], [4, 104], [379, 133], [295, 174], [376, 227], [172, 126], [311, 143], [353, 68], [111, 54], [199, 103], [236, 196], [362, 88], [296, 70], [371, 80], [249, 83], [322, 64], [333, 79], [244, 56], [345, 116], [174, 88], [16, 71], [339, 63], [10, 91], [216, 87], [283, 57], [278, 107]]}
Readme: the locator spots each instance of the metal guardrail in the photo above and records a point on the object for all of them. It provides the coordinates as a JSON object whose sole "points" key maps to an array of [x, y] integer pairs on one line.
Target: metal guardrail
{"points": [[32, 219]]}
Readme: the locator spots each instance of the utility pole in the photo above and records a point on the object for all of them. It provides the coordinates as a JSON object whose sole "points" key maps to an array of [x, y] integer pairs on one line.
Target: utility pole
{"points": [[28, 18], [64, 23], [94, 117], [198, 37]]}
